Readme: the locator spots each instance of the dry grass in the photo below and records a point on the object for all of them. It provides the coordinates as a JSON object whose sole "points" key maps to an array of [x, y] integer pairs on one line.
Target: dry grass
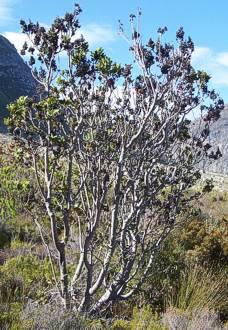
{"points": [[199, 320], [200, 289]]}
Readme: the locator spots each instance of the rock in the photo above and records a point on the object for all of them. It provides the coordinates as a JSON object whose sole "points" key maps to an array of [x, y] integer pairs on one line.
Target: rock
{"points": [[15, 77], [219, 138]]}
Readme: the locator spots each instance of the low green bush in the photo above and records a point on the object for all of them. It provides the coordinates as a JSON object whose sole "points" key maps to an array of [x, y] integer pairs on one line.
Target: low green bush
{"points": [[142, 319], [22, 228], [10, 316], [145, 319], [121, 325], [164, 274], [34, 274], [205, 242]]}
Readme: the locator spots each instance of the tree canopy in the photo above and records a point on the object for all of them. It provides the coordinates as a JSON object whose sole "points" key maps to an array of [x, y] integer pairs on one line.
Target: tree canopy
{"points": [[114, 153]]}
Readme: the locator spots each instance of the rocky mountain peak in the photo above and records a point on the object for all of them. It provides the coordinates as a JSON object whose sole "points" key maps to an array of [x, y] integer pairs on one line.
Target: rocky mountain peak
{"points": [[219, 139], [15, 77]]}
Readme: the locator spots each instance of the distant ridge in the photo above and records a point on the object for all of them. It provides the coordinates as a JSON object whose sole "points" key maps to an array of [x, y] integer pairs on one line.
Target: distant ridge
{"points": [[219, 138], [15, 77]]}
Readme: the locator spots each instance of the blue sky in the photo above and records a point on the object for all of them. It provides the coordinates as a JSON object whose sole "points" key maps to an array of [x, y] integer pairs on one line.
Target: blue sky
{"points": [[206, 21]]}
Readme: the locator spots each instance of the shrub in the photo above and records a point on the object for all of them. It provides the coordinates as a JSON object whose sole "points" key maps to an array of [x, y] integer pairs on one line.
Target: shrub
{"points": [[10, 316], [121, 325], [142, 319], [145, 319], [199, 289], [165, 273], [4, 236], [199, 241], [22, 228], [49, 317], [200, 320], [15, 183], [34, 275], [87, 147], [205, 241]]}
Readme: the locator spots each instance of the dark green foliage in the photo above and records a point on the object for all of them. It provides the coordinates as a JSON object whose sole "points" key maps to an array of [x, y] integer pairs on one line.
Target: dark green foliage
{"points": [[5, 236]]}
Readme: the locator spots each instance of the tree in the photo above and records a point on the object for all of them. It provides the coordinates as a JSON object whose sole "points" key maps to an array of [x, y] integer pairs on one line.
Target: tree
{"points": [[114, 153]]}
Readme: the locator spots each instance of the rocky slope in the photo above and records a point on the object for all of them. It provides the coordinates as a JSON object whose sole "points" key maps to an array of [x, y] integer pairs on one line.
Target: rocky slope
{"points": [[219, 137], [15, 77]]}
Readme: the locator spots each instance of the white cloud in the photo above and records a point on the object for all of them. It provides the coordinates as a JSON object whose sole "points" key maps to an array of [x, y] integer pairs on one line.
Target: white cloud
{"points": [[5, 8], [214, 63], [16, 38], [200, 53], [95, 34], [6, 11], [223, 58]]}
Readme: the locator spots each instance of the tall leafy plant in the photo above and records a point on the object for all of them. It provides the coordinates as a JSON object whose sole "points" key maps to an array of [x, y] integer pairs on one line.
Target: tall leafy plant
{"points": [[113, 154]]}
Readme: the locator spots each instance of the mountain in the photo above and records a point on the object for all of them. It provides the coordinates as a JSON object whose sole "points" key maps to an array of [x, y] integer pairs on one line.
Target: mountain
{"points": [[219, 138], [15, 77]]}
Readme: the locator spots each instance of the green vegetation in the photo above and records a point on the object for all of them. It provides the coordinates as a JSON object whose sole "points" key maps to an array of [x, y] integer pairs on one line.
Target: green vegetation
{"points": [[174, 291], [93, 233], [199, 289]]}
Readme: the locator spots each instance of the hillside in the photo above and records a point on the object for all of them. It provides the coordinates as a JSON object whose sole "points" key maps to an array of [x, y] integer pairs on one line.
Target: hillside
{"points": [[15, 77], [219, 137]]}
